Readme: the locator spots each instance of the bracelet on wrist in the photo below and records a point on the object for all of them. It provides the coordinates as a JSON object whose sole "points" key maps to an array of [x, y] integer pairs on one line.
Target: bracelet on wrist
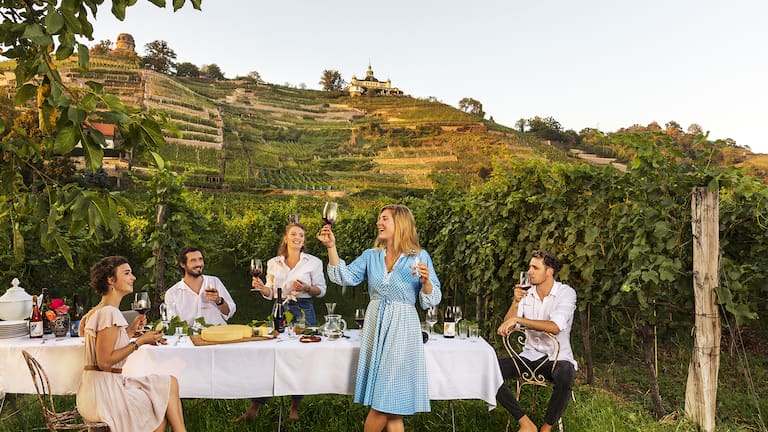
{"points": [[220, 302], [135, 345]]}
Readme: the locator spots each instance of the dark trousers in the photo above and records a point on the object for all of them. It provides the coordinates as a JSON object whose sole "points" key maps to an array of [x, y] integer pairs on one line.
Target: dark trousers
{"points": [[562, 377]]}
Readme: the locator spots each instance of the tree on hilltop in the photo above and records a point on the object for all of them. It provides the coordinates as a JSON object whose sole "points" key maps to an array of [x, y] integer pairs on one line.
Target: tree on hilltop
{"points": [[331, 80], [159, 57], [213, 71], [104, 47], [187, 69], [472, 106]]}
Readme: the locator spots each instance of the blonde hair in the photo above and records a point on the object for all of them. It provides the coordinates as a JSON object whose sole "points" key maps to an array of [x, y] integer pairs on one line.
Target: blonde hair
{"points": [[283, 249], [406, 237]]}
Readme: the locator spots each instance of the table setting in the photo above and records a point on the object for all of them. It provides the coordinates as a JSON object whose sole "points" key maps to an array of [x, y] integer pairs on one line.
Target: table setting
{"points": [[281, 365]]}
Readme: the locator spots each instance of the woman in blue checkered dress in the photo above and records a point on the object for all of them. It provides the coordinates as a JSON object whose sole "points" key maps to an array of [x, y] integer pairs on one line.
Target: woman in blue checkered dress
{"points": [[391, 372]]}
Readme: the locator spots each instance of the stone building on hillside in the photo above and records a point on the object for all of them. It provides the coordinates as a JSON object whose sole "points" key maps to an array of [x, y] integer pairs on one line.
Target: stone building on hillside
{"points": [[357, 87], [125, 46]]}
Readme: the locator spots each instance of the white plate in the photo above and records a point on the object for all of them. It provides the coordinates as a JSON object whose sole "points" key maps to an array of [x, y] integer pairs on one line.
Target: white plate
{"points": [[12, 323]]}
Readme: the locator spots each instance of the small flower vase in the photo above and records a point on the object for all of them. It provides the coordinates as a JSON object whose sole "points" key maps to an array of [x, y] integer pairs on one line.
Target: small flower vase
{"points": [[61, 325]]}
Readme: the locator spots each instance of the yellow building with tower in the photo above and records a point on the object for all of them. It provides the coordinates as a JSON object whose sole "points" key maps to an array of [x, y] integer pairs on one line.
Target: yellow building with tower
{"points": [[359, 87]]}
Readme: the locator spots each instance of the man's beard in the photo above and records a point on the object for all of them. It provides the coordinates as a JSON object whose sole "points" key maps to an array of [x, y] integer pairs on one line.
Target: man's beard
{"points": [[195, 273]]}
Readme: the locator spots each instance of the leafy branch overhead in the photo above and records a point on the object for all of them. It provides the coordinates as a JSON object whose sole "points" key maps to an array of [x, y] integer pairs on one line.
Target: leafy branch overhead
{"points": [[33, 203]]}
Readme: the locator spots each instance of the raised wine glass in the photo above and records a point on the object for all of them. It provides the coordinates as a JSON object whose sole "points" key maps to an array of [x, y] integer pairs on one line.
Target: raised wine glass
{"points": [[525, 280], [330, 213], [415, 261], [431, 318], [359, 317]]}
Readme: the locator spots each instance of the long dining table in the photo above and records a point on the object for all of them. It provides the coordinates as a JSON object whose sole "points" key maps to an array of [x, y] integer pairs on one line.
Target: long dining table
{"points": [[456, 368]]}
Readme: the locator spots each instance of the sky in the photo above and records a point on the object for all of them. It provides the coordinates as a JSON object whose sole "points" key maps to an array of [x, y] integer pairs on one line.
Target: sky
{"points": [[602, 64]]}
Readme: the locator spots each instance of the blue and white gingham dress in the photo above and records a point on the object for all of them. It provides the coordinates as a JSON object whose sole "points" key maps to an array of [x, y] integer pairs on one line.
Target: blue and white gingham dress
{"points": [[391, 372]]}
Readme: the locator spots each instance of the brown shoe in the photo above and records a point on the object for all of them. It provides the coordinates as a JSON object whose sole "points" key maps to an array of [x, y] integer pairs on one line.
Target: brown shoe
{"points": [[250, 414]]}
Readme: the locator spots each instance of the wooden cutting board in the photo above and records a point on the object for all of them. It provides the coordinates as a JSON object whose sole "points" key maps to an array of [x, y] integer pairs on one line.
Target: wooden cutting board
{"points": [[198, 340]]}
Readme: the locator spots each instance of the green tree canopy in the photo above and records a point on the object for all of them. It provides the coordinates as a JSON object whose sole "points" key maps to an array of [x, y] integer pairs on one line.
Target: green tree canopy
{"points": [[472, 106], [213, 71], [187, 69], [159, 57], [331, 80], [104, 47]]}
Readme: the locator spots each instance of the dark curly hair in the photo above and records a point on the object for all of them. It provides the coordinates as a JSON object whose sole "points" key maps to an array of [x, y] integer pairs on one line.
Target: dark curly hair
{"points": [[103, 270], [550, 259]]}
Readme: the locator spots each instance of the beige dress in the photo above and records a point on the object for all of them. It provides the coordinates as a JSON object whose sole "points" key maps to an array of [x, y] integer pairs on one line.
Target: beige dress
{"points": [[125, 404]]}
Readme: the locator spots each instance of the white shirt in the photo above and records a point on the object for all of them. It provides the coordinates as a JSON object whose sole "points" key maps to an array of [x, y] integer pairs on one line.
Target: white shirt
{"points": [[184, 303], [308, 270], [557, 307]]}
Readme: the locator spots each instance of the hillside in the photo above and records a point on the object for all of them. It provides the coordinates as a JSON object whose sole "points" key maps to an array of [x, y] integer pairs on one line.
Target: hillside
{"points": [[240, 135], [248, 136]]}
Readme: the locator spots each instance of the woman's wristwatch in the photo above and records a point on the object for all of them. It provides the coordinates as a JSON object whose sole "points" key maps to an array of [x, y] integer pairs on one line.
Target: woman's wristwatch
{"points": [[220, 302]]}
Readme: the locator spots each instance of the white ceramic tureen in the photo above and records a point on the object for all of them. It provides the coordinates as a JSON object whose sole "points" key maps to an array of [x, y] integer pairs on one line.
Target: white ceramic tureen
{"points": [[15, 304]]}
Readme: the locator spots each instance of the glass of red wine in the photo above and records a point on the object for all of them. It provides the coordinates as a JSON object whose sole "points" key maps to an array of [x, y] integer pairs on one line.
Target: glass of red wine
{"points": [[359, 317], [141, 302], [330, 213], [256, 269], [525, 280]]}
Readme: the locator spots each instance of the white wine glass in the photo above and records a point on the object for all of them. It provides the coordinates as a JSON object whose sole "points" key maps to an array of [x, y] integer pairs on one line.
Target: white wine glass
{"points": [[457, 314], [415, 261], [431, 319]]}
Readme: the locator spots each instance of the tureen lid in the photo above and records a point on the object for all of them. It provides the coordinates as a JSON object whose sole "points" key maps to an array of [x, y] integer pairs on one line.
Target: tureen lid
{"points": [[15, 293]]}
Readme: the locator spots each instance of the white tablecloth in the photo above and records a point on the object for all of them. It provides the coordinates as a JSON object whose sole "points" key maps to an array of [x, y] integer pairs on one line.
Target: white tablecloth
{"points": [[457, 369]]}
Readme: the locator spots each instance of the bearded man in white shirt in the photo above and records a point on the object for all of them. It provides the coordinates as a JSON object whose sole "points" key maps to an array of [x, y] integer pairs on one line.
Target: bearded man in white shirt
{"points": [[197, 295], [548, 306]]}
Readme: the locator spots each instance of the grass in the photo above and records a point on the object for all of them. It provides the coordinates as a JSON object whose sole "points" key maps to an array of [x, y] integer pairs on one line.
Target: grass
{"points": [[594, 410]]}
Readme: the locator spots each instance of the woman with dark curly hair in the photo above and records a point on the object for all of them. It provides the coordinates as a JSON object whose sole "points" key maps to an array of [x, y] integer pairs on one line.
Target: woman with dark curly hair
{"points": [[125, 404]]}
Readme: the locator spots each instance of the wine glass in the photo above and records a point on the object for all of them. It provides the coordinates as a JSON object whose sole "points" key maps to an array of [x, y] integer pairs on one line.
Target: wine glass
{"points": [[525, 280], [141, 302], [330, 212], [256, 269], [457, 314], [359, 317], [415, 261], [431, 319], [331, 307]]}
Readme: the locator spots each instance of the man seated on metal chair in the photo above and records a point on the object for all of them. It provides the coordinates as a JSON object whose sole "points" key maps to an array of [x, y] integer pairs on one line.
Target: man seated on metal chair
{"points": [[547, 307]]}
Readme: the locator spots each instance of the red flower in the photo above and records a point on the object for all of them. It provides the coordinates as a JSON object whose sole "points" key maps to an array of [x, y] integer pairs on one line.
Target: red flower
{"points": [[59, 306]]}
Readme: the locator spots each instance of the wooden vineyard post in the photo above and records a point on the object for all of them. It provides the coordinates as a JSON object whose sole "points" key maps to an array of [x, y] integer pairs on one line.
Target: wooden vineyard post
{"points": [[161, 216], [701, 390]]}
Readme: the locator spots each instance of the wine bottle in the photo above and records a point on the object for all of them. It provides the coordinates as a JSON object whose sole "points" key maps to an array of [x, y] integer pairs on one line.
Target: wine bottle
{"points": [[278, 314], [77, 314], [35, 321], [45, 305], [449, 323]]}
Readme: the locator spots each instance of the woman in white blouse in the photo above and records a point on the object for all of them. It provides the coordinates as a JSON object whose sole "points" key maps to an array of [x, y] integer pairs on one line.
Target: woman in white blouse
{"points": [[299, 275]]}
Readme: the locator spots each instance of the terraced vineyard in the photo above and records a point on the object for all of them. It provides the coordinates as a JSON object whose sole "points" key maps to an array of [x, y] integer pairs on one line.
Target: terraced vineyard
{"points": [[248, 136]]}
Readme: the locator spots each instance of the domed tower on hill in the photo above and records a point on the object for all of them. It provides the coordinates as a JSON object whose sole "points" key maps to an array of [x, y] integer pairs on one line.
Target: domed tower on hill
{"points": [[125, 46], [370, 85]]}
